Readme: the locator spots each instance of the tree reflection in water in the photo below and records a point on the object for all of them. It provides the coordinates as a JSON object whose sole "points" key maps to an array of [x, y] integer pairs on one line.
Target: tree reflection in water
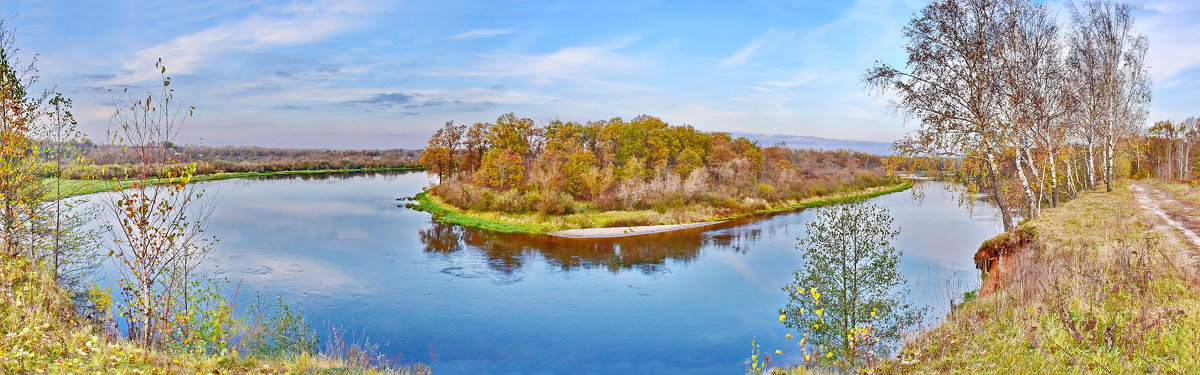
{"points": [[507, 253]]}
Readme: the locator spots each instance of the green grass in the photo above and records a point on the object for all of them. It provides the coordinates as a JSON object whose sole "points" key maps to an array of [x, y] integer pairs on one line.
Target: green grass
{"points": [[534, 223], [448, 214], [70, 188], [833, 199]]}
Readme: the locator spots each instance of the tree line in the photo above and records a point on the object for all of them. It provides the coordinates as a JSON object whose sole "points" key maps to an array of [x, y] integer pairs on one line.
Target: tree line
{"points": [[516, 165], [105, 161], [1035, 112], [1168, 149]]}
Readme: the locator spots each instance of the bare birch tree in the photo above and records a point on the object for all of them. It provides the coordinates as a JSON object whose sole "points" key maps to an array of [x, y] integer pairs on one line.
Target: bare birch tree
{"points": [[1108, 60], [953, 86], [159, 220]]}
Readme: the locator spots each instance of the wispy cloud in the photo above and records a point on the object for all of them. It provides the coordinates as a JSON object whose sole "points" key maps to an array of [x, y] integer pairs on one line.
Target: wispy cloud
{"points": [[1174, 36], [292, 24], [573, 63], [482, 33], [385, 100], [765, 39]]}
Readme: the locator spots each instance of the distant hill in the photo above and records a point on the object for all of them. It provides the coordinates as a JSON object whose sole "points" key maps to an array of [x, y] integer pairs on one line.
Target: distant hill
{"points": [[818, 143]]}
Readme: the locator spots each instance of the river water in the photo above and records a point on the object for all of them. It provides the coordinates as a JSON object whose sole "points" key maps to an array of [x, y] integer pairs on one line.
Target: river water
{"points": [[467, 301]]}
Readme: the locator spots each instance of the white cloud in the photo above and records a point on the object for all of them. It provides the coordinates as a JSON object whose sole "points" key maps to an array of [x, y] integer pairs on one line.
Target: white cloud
{"points": [[768, 38], [1174, 36], [296, 23], [583, 64], [482, 33]]}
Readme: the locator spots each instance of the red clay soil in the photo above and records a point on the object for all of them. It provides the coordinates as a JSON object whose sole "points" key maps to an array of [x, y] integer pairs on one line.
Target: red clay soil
{"points": [[995, 257]]}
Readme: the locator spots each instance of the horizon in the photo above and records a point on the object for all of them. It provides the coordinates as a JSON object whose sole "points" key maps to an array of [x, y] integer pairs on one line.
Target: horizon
{"points": [[364, 75]]}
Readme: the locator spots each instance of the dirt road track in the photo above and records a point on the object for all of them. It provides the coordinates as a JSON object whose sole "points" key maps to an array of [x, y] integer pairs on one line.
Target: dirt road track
{"points": [[1180, 216]]}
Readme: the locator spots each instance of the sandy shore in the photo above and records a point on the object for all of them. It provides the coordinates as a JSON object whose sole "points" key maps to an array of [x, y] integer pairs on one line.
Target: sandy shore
{"points": [[626, 231]]}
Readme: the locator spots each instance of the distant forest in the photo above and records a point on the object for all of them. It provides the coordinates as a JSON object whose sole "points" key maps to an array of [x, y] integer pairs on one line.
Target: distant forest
{"points": [[108, 161], [515, 165]]}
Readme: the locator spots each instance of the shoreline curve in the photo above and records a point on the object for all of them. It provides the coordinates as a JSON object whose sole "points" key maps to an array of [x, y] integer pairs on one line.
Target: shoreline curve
{"points": [[611, 232]]}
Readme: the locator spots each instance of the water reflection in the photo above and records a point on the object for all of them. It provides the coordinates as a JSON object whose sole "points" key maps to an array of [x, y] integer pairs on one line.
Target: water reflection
{"points": [[507, 253], [492, 303]]}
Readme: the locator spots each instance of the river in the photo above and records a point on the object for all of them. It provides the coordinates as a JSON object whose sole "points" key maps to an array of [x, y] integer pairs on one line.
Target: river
{"points": [[467, 301]]}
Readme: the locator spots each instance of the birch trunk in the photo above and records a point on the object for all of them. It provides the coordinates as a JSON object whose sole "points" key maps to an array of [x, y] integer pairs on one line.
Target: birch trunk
{"points": [[1053, 196], [1030, 200], [997, 191], [1091, 166], [1110, 145]]}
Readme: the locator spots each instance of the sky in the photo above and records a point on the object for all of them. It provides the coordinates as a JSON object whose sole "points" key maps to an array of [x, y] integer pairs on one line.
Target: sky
{"points": [[385, 74]]}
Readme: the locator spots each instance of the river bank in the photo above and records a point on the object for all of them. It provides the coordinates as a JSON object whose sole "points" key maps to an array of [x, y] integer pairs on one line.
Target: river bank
{"points": [[601, 224], [44, 332], [70, 188], [1094, 285]]}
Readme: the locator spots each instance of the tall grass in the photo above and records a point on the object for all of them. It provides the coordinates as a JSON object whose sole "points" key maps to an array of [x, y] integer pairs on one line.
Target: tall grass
{"points": [[42, 332], [1097, 291]]}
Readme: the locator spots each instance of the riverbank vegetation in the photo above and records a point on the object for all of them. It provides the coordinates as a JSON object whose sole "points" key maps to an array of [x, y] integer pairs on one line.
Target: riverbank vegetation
{"points": [[1094, 291], [60, 188], [165, 316], [620, 173], [107, 161]]}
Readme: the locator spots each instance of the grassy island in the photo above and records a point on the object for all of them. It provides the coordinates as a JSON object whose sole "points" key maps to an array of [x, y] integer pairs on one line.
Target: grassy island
{"points": [[517, 176], [542, 223]]}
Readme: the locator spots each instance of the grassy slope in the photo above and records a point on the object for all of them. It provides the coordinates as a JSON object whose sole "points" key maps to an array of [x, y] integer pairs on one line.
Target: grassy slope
{"points": [[40, 331], [1100, 293], [542, 223], [72, 188]]}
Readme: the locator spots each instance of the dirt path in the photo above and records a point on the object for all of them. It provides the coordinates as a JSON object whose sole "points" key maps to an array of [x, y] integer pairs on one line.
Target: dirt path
{"points": [[1180, 215]]}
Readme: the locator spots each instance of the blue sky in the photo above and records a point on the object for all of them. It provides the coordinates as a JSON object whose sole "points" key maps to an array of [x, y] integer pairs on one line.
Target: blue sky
{"points": [[363, 74]]}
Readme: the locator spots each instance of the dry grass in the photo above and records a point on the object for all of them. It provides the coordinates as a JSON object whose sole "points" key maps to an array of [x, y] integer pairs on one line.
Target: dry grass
{"points": [[1098, 292]]}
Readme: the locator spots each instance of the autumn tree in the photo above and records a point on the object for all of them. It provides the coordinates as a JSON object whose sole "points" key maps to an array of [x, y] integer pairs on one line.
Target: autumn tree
{"points": [[689, 161], [20, 110], [475, 144], [440, 154], [158, 222], [502, 168]]}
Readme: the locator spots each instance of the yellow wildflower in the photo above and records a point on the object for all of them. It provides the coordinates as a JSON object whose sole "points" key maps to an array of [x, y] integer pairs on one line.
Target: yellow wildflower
{"points": [[787, 336], [820, 311], [777, 351], [807, 357], [829, 355], [782, 317]]}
